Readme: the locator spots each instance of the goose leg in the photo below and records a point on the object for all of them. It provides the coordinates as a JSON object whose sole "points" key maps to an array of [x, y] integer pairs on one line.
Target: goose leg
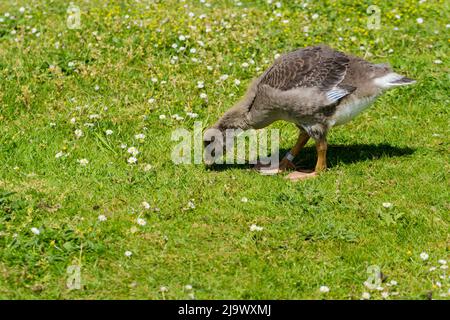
{"points": [[286, 163], [321, 165], [321, 147]]}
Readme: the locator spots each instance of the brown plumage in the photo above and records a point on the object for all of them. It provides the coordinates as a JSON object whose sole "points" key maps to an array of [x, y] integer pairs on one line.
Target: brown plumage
{"points": [[315, 88], [310, 67]]}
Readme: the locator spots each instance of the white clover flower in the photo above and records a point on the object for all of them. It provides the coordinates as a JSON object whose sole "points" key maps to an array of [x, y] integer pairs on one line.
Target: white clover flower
{"points": [[254, 227], [424, 256], [385, 294], [437, 61], [314, 16], [146, 205], [442, 261], [154, 80], [78, 133], [162, 116], [188, 287], [193, 50], [128, 253], [59, 154], [324, 289], [132, 160], [109, 132], [387, 205], [35, 231], [132, 150], [163, 289], [21, 9], [174, 46], [393, 283], [191, 204], [200, 84], [177, 117], [151, 100], [244, 199], [245, 65], [223, 77], [181, 38], [237, 82], [419, 20], [192, 114], [203, 96], [97, 87], [365, 296], [83, 162], [102, 217], [141, 222], [432, 269], [140, 136], [73, 120]]}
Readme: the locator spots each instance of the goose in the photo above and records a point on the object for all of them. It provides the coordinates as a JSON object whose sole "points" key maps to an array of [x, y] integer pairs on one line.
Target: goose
{"points": [[316, 88]]}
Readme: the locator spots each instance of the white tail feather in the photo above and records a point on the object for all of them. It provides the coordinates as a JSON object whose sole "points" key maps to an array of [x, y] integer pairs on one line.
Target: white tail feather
{"points": [[392, 80]]}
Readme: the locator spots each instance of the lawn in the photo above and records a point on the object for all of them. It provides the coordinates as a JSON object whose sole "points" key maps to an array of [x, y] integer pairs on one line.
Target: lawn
{"points": [[74, 206]]}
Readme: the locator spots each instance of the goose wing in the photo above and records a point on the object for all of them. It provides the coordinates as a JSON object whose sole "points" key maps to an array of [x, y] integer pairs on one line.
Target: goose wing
{"points": [[314, 67]]}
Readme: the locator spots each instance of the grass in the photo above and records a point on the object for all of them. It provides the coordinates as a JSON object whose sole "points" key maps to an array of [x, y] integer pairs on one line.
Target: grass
{"points": [[321, 232]]}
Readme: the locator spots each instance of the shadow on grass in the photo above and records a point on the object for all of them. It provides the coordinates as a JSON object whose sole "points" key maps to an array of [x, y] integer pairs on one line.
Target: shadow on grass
{"points": [[336, 154]]}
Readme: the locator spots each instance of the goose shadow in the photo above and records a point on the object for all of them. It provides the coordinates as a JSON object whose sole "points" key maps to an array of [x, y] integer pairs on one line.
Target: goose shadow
{"points": [[336, 154]]}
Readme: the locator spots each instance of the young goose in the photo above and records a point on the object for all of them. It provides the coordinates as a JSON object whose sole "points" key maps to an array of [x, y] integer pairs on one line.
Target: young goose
{"points": [[316, 88]]}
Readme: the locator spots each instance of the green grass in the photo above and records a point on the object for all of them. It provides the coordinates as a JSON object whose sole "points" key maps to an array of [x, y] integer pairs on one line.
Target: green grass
{"points": [[325, 231]]}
